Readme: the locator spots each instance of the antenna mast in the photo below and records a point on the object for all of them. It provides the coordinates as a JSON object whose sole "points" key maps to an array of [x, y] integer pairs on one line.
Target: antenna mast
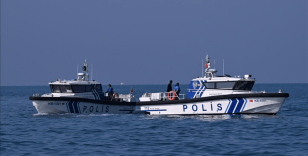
{"points": [[202, 68], [77, 71], [85, 71], [92, 72], [223, 66]]}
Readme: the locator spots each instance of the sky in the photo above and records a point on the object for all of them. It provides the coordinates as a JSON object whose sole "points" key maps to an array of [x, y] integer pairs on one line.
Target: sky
{"points": [[152, 41]]}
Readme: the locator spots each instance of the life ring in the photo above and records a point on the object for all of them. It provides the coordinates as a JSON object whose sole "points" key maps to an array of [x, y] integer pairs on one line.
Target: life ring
{"points": [[169, 95], [115, 95]]}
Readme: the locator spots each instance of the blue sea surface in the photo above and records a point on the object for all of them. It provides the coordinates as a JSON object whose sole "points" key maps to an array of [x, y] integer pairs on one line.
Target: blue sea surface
{"points": [[25, 132]]}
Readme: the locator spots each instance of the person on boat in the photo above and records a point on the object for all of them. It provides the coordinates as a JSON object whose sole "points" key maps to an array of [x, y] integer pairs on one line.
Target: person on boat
{"points": [[177, 89], [169, 88], [109, 91]]}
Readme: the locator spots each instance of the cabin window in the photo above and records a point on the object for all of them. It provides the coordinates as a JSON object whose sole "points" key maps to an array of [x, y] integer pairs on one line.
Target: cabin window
{"points": [[89, 88], [99, 87], [244, 85], [238, 85], [61, 88], [65, 89], [210, 85], [224, 85], [78, 88], [82, 88], [71, 88], [55, 88], [250, 85]]}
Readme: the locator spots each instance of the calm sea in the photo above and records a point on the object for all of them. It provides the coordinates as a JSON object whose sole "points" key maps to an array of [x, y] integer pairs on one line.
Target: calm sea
{"points": [[24, 132]]}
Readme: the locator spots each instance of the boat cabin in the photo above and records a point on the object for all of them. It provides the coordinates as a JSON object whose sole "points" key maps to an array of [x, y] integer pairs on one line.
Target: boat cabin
{"points": [[212, 85]]}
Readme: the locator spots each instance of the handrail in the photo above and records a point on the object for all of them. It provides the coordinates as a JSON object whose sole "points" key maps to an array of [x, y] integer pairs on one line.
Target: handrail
{"points": [[181, 96]]}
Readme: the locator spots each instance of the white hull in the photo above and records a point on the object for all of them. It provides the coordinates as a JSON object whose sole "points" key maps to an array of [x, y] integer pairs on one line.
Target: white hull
{"points": [[61, 107], [262, 105]]}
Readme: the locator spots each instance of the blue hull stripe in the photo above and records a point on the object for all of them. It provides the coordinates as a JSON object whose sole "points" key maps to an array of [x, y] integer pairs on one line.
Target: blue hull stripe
{"points": [[76, 107], [70, 105], [93, 91], [233, 104], [94, 94], [79, 107], [244, 104], [101, 95], [239, 105], [68, 110], [97, 95], [228, 105]]}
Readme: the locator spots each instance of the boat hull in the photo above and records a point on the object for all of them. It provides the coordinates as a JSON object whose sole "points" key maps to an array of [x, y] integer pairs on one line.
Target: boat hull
{"points": [[80, 106], [260, 103], [224, 106], [256, 103]]}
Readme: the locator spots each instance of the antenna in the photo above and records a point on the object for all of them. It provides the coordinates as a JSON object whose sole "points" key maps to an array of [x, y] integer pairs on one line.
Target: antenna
{"points": [[214, 65], [92, 72], [202, 68], [223, 66], [77, 71]]}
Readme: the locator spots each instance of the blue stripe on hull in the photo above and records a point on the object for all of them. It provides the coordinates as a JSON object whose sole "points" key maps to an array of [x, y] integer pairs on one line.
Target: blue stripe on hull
{"points": [[68, 110], [96, 93], [239, 106], [76, 107], [228, 105], [101, 96], [70, 105], [93, 92], [79, 107], [233, 104], [244, 104]]}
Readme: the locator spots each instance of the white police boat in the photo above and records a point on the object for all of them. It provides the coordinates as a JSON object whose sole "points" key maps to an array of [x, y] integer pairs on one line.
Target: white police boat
{"points": [[214, 94], [81, 96]]}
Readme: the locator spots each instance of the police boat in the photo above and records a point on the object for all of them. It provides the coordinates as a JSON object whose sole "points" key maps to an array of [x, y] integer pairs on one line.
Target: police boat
{"points": [[212, 94], [82, 95]]}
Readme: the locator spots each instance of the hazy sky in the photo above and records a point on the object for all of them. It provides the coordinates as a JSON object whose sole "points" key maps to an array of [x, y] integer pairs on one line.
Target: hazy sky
{"points": [[152, 41]]}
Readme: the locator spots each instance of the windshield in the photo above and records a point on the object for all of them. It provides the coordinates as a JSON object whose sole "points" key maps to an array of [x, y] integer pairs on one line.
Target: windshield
{"points": [[70, 88], [55, 88], [244, 85], [61, 88], [238, 85]]}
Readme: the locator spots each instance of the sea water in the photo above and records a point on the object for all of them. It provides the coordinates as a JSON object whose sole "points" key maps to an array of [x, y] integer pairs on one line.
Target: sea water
{"points": [[25, 132]]}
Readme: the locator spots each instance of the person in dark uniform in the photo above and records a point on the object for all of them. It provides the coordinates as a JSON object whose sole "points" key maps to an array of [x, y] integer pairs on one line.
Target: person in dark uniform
{"points": [[169, 88], [110, 92], [177, 89]]}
